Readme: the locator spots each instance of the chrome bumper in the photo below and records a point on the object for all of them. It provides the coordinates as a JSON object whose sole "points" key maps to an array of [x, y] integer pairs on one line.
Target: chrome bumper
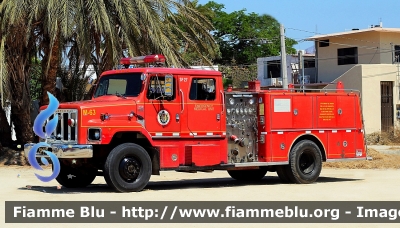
{"points": [[63, 150]]}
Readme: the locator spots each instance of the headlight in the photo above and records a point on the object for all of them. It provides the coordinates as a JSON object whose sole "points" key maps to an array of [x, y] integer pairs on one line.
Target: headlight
{"points": [[94, 134], [97, 134], [231, 101]]}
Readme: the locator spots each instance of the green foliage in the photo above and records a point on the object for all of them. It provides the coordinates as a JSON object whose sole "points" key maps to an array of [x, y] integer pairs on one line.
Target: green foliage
{"points": [[237, 76], [35, 80], [227, 82], [202, 49], [74, 75], [243, 37], [74, 83]]}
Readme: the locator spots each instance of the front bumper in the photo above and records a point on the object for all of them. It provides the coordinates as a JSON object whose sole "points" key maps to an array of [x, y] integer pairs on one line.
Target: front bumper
{"points": [[63, 150]]}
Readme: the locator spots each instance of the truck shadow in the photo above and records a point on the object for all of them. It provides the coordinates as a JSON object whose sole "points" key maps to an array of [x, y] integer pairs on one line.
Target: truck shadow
{"points": [[229, 182], [180, 184]]}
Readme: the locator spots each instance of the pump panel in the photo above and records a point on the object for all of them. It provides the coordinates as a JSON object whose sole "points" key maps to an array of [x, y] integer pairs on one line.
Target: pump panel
{"points": [[241, 126]]}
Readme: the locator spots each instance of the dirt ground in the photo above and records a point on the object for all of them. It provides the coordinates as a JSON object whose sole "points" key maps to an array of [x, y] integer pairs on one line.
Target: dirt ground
{"points": [[374, 180], [379, 160], [333, 184]]}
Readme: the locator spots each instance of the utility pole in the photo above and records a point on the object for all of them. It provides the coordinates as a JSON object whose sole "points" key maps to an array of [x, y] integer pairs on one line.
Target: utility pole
{"points": [[301, 66], [283, 59]]}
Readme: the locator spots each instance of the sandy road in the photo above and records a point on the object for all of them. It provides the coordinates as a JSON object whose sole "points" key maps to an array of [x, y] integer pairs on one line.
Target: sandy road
{"points": [[333, 185]]}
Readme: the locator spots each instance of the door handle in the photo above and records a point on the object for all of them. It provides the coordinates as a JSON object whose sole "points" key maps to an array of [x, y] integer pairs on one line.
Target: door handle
{"points": [[223, 100], [182, 100]]}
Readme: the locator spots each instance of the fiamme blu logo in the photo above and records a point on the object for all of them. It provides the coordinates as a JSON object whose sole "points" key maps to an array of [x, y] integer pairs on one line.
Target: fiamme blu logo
{"points": [[49, 129]]}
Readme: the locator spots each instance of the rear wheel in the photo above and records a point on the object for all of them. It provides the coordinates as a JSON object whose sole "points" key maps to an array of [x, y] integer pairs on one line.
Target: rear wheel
{"points": [[247, 175], [284, 173], [128, 168], [70, 177], [305, 162]]}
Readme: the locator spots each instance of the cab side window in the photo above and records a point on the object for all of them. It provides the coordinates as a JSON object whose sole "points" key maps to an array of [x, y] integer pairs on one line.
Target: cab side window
{"points": [[202, 89], [156, 88]]}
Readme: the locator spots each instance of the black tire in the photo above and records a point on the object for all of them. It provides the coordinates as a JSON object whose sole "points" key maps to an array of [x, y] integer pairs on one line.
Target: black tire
{"points": [[305, 162], [128, 168], [70, 177], [284, 173], [248, 175]]}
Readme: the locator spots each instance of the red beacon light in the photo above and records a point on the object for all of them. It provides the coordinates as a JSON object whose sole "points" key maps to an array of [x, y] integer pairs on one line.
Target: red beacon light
{"points": [[158, 59]]}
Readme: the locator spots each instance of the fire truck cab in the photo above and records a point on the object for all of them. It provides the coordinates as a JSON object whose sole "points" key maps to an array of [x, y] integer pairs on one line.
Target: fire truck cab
{"points": [[144, 120]]}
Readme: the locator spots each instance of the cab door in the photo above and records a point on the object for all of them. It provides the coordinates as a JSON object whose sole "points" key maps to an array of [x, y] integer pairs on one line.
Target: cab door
{"points": [[162, 106], [204, 108]]}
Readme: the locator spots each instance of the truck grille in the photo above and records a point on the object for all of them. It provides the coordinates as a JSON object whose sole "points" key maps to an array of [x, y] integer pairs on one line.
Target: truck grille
{"points": [[64, 133]]}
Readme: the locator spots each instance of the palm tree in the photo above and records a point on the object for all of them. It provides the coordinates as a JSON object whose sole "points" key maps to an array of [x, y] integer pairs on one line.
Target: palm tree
{"points": [[17, 65], [144, 27], [101, 30], [5, 130], [17, 47]]}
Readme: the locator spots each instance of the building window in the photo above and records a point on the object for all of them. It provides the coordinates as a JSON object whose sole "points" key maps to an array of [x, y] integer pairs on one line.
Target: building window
{"points": [[397, 53], [347, 56], [323, 43], [309, 63], [273, 69]]}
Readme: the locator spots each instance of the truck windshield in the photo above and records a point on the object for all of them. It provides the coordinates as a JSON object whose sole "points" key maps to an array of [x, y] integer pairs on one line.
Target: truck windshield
{"points": [[127, 85]]}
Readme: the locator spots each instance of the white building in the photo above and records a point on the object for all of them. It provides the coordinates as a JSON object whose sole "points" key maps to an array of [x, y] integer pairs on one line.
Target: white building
{"points": [[269, 70]]}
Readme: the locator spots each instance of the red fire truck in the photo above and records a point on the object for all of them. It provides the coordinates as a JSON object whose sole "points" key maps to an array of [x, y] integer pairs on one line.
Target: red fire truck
{"points": [[144, 120]]}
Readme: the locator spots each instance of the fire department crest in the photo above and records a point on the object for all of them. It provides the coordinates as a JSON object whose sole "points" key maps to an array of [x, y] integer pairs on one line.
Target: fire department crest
{"points": [[163, 117]]}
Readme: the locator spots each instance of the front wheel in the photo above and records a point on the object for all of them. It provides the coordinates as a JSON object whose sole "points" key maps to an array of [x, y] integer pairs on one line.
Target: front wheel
{"points": [[247, 175], [128, 168], [305, 162], [75, 177]]}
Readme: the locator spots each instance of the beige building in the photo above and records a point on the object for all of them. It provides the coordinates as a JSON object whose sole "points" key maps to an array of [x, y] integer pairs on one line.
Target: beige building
{"points": [[366, 60]]}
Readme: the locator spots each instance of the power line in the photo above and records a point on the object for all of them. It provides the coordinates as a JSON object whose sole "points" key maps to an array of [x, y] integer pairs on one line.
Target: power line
{"points": [[381, 52], [340, 36], [348, 56]]}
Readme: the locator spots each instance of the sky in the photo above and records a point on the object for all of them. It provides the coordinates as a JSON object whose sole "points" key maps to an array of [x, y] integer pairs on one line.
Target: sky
{"points": [[305, 18]]}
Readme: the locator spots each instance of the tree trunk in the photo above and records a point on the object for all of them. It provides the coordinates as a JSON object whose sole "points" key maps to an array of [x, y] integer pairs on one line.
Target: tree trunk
{"points": [[50, 63], [20, 104], [18, 66], [5, 129]]}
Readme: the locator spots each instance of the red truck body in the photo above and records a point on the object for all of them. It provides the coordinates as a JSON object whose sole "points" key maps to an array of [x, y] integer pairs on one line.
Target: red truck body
{"points": [[141, 121]]}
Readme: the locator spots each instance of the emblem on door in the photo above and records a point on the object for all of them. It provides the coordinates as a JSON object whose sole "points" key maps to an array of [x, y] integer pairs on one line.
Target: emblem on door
{"points": [[163, 117]]}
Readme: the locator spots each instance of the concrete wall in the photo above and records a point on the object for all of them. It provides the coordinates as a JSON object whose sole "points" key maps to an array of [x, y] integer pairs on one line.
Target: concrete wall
{"points": [[385, 46], [366, 78], [368, 53], [372, 75], [351, 79]]}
